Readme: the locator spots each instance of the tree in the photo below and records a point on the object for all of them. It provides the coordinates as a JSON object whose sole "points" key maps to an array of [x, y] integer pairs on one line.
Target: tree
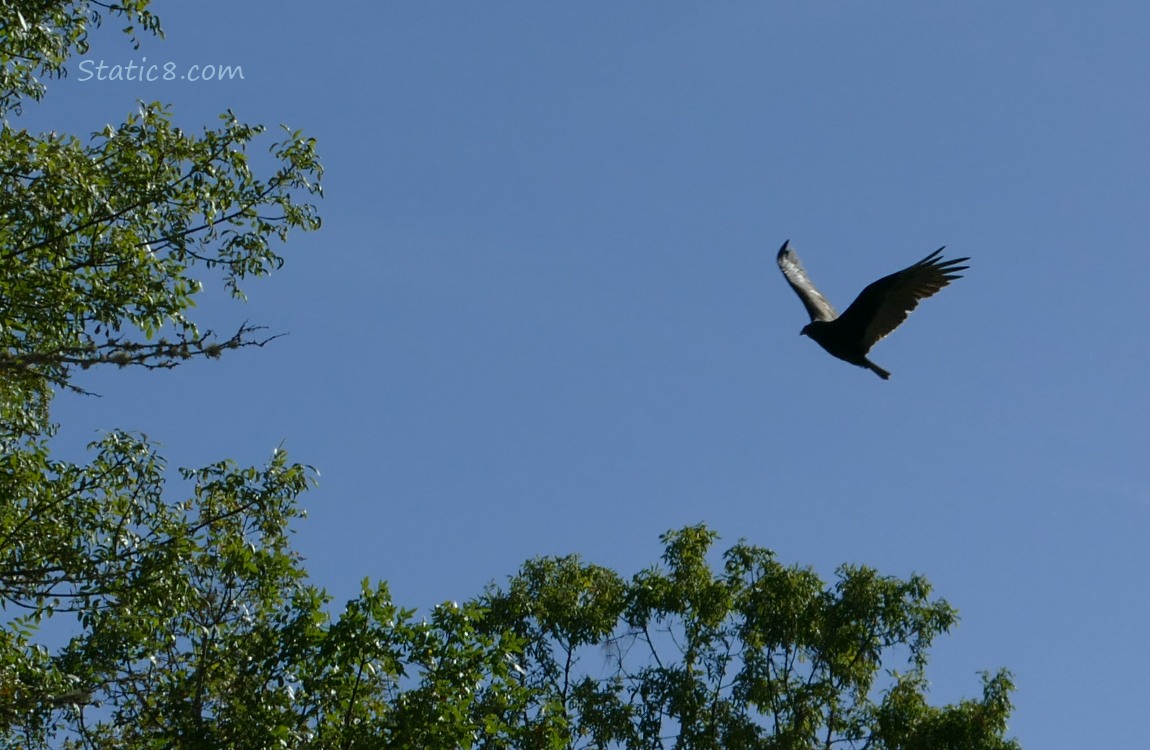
{"points": [[190, 621], [759, 655], [102, 244]]}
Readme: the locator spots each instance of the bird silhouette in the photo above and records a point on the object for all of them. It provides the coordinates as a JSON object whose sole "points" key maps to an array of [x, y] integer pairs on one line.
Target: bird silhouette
{"points": [[877, 311]]}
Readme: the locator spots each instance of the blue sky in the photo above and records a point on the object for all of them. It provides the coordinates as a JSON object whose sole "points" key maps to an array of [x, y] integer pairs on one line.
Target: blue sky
{"points": [[543, 315]]}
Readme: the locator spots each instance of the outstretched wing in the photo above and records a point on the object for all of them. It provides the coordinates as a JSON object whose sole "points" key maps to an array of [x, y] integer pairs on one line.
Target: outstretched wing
{"points": [[886, 303], [817, 306]]}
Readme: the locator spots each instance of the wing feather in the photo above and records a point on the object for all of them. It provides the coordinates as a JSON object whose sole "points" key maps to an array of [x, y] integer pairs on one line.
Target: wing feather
{"points": [[817, 306], [885, 304]]}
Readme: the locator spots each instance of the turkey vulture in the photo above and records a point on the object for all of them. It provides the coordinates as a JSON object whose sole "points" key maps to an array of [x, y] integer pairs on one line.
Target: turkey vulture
{"points": [[880, 309]]}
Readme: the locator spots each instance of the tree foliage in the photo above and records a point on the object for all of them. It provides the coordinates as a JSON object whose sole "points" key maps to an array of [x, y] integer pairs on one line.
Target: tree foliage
{"points": [[145, 607], [757, 655]]}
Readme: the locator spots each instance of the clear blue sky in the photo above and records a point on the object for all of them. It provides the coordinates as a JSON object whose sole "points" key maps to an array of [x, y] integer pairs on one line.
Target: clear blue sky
{"points": [[543, 315]]}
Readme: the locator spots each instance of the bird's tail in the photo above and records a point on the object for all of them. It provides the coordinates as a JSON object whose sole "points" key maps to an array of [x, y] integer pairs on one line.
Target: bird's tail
{"points": [[877, 370]]}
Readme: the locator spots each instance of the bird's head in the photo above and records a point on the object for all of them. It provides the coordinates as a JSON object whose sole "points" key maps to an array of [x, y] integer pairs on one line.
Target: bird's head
{"points": [[807, 330]]}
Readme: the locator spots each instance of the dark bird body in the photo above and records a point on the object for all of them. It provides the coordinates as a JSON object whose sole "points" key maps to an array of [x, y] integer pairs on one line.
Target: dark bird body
{"points": [[877, 311]]}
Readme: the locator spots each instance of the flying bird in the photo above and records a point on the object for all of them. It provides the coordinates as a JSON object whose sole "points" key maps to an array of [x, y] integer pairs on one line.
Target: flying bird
{"points": [[880, 309]]}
